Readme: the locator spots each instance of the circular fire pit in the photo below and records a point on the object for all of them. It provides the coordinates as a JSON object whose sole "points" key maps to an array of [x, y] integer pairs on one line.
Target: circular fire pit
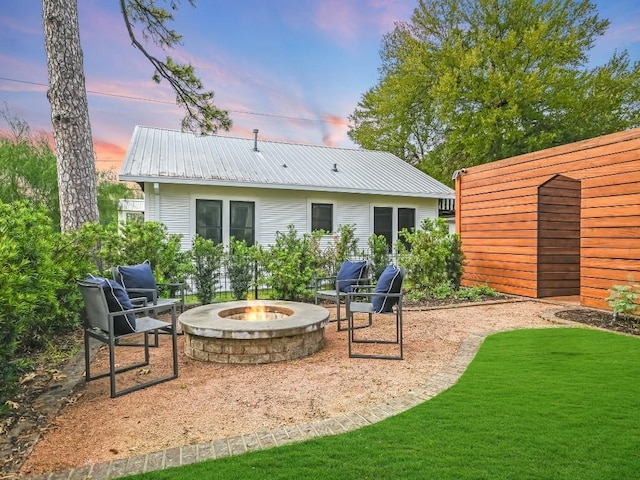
{"points": [[253, 331]]}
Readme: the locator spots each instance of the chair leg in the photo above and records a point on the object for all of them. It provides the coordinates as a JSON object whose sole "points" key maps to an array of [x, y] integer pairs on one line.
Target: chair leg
{"points": [[87, 357], [397, 341], [112, 365], [338, 317]]}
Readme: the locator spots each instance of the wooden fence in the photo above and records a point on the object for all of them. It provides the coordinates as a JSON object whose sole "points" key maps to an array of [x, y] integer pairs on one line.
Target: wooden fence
{"points": [[530, 224]]}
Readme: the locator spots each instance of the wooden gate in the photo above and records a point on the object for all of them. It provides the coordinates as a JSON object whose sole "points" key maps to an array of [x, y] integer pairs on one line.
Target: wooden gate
{"points": [[559, 237]]}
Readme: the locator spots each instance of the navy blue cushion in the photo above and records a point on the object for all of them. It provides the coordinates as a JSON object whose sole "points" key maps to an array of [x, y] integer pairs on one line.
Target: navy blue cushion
{"points": [[138, 276], [349, 274], [117, 301], [389, 282]]}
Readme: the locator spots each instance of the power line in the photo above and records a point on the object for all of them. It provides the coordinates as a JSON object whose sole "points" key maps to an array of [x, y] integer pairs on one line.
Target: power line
{"points": [[151, 100]]}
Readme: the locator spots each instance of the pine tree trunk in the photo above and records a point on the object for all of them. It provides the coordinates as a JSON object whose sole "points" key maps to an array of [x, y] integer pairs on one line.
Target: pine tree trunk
{"points": [[69, 114]]}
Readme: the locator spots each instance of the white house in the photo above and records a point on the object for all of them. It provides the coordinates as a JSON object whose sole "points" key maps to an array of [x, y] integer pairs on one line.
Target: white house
{"points": [[249, 188]]}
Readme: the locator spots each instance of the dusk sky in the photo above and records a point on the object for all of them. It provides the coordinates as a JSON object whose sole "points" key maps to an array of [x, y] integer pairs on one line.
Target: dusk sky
{"points": [[294, 69]]}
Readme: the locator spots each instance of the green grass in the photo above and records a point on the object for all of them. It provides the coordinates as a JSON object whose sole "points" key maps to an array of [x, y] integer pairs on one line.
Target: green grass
{"points": [[535, 404]]}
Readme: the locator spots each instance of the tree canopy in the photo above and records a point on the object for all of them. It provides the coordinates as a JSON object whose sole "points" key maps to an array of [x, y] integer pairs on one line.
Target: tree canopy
{"points": [[466, 82]]}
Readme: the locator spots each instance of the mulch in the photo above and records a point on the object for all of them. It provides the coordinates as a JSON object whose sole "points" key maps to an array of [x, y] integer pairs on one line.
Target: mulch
{"points": [[601, 319]]}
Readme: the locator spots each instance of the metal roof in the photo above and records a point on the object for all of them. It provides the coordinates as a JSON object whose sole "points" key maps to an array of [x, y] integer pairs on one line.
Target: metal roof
{"points": [[170, 156]]}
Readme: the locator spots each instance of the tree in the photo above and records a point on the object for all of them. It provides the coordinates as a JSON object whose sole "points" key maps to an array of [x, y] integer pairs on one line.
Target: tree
{"points": [[68, 98], [467, 82], [28, 172], [28, 168]]}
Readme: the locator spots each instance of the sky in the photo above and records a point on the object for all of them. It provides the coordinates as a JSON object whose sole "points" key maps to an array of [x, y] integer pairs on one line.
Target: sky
{"points": [[293, 69]]}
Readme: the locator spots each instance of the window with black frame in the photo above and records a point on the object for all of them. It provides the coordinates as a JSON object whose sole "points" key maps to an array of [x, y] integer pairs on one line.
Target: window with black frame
{"points": [[209, 219], [383, 223], [322, 217], [406, 220], [242, 221]]}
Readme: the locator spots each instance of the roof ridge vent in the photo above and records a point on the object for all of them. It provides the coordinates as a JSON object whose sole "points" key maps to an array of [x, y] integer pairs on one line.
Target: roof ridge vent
{"points": [[255, 139]]}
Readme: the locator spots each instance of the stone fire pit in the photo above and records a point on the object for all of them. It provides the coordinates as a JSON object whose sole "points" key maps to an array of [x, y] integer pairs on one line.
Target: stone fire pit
{"points": [[228, 332]]}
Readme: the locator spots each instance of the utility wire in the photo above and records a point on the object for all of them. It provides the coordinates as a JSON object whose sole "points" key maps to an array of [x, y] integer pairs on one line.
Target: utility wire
{"points": [[151, 100]]}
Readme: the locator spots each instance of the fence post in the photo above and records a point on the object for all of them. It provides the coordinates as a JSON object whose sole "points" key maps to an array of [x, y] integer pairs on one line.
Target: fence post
{"points": [[255, 279]]}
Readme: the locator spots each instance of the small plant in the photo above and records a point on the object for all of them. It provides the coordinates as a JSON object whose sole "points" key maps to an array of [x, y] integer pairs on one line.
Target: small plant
{"points": [[442, 290], [623, 300], [475, 292]]}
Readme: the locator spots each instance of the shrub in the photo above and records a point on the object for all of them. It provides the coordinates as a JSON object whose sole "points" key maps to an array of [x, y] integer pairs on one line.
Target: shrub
{"points": [[343, 247], [207, 260], [38, 294], [289, 266], [379, 258], [135, 242], [240, 267], [432, 256]]}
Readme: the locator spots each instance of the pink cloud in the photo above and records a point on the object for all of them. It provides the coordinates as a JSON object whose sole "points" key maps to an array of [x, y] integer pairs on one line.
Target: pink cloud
{"points": [[347, 21]]}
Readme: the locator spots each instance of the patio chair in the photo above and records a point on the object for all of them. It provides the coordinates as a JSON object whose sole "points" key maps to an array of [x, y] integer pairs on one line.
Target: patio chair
{"points": [[110, 316], [375, 300], [335, 288], [139, 281]]}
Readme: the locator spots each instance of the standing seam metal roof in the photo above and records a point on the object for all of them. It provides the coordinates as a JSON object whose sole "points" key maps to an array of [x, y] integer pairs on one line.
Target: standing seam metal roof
{"points": [[171, 156]]}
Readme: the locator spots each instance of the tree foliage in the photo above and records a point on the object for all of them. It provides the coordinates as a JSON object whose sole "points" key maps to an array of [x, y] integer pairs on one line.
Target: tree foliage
{"points": [[467, 82], [28, 171], [28, 168], [201, 113]]}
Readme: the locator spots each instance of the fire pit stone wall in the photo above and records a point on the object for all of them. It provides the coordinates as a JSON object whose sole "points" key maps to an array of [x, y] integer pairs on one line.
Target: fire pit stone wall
{"points": [[212, 335]]}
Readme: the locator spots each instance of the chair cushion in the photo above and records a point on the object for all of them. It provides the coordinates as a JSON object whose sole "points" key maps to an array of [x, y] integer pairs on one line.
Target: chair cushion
{"points": [[138, 276], [349, 274], [390, 281], [117, 301]]}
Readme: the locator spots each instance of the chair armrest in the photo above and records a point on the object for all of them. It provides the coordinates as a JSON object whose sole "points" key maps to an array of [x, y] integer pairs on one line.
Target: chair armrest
{"points": [[372, 294], [144, 291], [173, 287], [139, 300], [317, 281], [146, 309]]}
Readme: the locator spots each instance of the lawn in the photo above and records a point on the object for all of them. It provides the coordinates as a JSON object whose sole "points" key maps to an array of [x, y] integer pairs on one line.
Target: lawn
{"points": [[535, 404]]}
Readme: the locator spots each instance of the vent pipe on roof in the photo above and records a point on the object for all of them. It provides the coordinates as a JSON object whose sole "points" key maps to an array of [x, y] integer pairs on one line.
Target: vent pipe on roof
{"points": [[335, 167], [255, 139]]}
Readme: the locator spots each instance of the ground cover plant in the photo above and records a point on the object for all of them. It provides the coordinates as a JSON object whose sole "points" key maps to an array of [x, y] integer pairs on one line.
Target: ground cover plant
{"points": [[546, 403]]}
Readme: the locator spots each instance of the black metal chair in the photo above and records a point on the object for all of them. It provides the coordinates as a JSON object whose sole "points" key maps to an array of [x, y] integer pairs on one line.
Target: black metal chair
{"points": [[385, 298], [105, 325], [335, 288]]}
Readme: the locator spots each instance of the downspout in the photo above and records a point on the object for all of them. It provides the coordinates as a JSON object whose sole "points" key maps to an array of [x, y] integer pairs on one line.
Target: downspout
{"points": [[156, 192]]}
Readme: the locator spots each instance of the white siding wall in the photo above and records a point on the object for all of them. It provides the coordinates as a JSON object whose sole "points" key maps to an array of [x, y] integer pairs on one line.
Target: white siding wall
{"points": [[351, 212], [277, 212], [275, 209]]}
